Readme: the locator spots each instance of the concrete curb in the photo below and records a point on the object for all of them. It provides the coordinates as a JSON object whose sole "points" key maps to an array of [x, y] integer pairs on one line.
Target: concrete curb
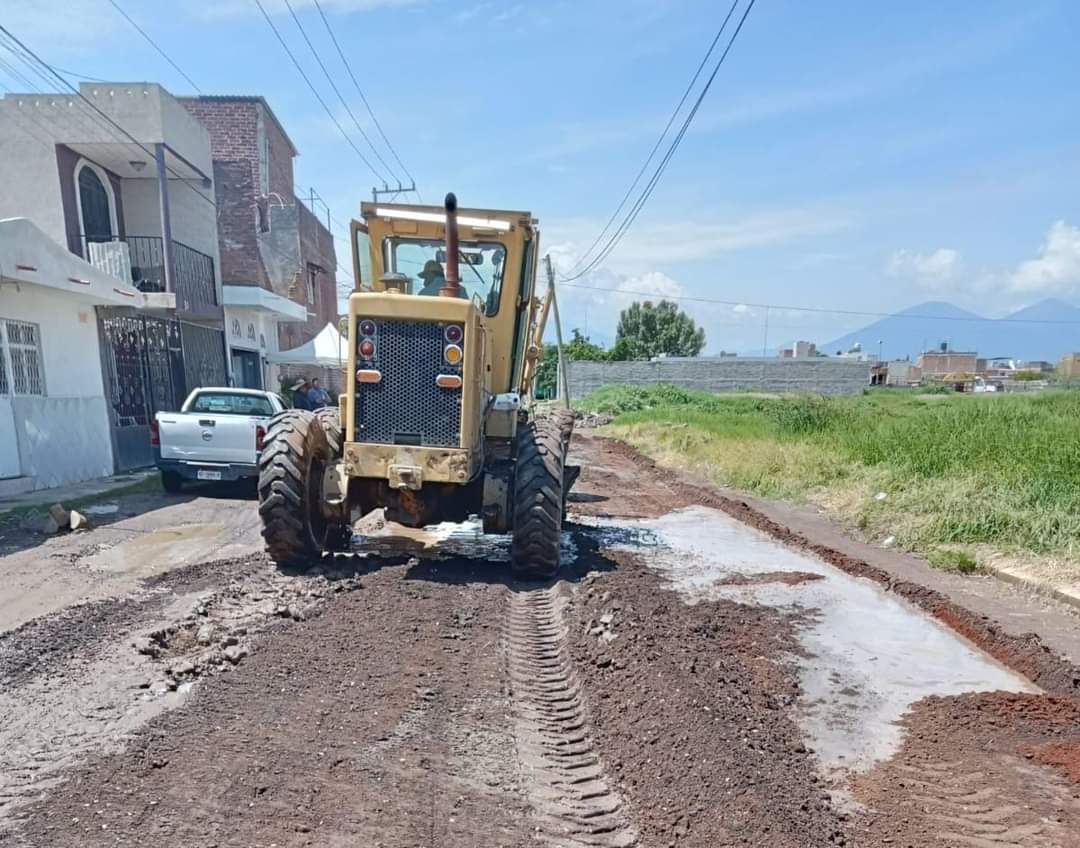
{"points": [[1039, 587]]}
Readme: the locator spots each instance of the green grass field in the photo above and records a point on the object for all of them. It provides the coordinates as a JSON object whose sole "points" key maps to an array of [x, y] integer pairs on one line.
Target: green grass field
{"points": [[975, 474]]}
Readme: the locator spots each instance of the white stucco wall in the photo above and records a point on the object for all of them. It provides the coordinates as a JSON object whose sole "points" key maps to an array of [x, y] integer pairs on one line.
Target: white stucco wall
{"points": [[62, 437], [28, 168], [31, 126]]}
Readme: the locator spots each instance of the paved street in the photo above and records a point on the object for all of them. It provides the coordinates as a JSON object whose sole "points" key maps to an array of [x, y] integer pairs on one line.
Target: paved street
{"points": [[699, 676]]}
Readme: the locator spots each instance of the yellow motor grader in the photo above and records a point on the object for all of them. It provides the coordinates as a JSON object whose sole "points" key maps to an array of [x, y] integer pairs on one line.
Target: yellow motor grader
{"points": [[435, 424]]}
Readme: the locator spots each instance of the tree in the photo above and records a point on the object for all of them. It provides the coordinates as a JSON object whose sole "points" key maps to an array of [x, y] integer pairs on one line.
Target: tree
{"points": [[578, 348], [646, 331]]}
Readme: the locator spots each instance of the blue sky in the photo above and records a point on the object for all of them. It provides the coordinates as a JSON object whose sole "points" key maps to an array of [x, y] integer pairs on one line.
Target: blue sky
{"points": [[850, 155]]}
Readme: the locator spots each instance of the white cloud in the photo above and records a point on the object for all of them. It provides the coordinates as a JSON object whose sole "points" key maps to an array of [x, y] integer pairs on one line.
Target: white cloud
{"points": [[937, 270], [702, 237], [54, 28], [1057, 267]]}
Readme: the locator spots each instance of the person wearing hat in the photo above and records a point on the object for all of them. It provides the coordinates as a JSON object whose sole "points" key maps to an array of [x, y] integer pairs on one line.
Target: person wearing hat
{"points": [[434, 279], [300, 394]]}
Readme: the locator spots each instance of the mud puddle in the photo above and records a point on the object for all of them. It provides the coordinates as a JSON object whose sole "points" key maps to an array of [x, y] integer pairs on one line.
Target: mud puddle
{"points": [[865, 656]]}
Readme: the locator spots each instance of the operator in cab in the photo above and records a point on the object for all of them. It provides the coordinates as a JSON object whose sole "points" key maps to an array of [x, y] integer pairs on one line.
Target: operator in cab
{"points": [[434, 279]]}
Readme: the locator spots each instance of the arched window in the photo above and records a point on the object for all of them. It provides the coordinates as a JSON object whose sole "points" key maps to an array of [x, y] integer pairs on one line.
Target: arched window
{"points": [[97, 206]]}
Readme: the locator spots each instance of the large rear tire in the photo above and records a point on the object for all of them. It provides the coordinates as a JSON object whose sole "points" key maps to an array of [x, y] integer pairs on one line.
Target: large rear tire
{"points": [[538, 501], [294, 456]]}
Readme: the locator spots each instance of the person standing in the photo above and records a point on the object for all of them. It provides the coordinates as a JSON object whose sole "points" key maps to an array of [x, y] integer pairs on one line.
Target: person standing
{"points": [[300, 391], [318, 397]]}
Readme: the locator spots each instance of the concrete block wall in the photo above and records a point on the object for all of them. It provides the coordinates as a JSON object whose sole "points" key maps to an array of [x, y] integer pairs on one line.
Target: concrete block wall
{"points": [[809, 376]]}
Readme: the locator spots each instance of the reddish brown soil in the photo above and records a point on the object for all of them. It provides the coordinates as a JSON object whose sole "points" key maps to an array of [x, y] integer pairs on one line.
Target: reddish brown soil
{"points": [[690, 709], [389, 718], [968, 766], [787, 578]]}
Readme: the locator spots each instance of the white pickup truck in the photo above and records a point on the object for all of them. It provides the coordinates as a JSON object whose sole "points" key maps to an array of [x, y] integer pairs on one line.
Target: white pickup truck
{"points": [[216, 435]]}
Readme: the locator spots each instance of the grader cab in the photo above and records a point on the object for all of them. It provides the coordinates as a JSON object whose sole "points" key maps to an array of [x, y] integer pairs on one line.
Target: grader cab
{"points": [[435, 425]]}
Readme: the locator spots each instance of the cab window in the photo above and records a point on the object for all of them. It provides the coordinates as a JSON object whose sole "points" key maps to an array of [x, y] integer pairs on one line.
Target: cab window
{"points": [[480, 266]]}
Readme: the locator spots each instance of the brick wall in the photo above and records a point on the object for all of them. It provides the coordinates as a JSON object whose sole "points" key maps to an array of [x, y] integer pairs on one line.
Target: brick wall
{"points": [[234, 145], [261, 242], [814, 376]]}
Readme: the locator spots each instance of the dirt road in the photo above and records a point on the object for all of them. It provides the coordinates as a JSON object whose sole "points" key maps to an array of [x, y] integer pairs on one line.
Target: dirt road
{"points": [[700, 676]]}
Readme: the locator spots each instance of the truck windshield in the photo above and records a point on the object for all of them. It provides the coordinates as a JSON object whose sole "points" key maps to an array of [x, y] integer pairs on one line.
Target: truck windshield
{"points": [[226, 403], [423, 261]]}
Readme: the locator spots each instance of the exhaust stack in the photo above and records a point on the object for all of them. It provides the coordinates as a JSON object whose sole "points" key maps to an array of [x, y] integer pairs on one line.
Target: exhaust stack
{"points": [[453, 281]]}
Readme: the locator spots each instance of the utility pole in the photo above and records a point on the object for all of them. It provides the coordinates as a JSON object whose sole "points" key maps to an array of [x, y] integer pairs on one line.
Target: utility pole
{"points": [[563, 377], [386, 189]]}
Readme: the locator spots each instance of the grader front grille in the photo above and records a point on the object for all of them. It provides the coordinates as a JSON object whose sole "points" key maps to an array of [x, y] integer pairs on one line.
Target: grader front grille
{"points": [[406, 407]]}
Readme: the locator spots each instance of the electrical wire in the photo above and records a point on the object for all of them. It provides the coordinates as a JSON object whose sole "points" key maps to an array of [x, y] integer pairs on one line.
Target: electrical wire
{"points": [[333, 86], [363, 99], [154, 44], [315, 92], [647, 192], [111, 125], [816, 309], [675, 113]]}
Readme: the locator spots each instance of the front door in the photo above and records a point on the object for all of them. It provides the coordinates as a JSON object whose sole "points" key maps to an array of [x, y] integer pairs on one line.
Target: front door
{"points": [[9, 445], [246, 371]]}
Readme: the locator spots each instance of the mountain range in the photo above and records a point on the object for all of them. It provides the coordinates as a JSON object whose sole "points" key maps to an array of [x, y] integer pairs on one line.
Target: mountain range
{"points": [[928, 325]]}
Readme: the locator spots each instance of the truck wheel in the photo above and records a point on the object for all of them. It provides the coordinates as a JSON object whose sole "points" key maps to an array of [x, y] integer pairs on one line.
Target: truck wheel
{"points": [[171, 482], [338, 528], [295, 452], [538, 501]]}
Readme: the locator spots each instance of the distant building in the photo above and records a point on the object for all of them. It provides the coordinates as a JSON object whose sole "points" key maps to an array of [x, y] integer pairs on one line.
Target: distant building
{"points": [[935, 364], [1069, 365], [805, 349], [903, 372]]}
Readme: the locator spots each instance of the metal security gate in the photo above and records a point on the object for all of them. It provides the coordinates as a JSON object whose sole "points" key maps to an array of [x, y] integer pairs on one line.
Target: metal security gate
{"points": [[142, 360], [204, 357], [150, 364]]}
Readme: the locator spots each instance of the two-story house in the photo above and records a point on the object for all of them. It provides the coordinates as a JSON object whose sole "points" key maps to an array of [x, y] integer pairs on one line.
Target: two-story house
{"points": [[278, 261], [113, 293]]}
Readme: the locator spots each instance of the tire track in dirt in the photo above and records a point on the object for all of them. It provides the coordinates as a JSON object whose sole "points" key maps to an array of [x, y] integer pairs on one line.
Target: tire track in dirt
{"points": [[572, 800]]}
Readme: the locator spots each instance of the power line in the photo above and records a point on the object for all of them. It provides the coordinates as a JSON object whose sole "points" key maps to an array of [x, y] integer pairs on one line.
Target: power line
{"points": [[701, 66], [315, 91], [363, 99], [112, 123], [816, 309], [153, 44], [647, 192], [333, 86], [78, 76]]}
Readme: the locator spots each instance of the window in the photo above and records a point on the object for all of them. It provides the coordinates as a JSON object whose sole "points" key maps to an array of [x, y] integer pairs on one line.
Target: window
{"points": [[96, 203], [20, 356], [313, 272], [223, 403], [480, 267]]}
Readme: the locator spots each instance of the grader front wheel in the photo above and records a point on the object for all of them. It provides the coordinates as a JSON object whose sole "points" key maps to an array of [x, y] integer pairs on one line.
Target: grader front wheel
{"points": [[295, 453], [538, 500]]}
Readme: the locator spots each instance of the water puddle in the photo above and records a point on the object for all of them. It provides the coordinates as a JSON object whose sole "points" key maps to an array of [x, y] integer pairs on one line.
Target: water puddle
{"points": [[868, 656], [160, 550]]}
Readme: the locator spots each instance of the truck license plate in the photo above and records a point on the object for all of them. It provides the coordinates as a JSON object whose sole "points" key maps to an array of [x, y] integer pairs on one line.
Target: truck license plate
{"points": [[209, 475]]}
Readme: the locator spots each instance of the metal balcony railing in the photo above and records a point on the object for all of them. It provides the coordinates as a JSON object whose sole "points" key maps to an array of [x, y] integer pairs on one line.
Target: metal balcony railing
{"points": [[193, 274]]}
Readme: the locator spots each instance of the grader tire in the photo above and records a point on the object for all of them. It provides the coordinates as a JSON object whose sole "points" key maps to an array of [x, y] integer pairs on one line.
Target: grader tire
{"points": [[295, 452], [538, 501], [338, 529]]}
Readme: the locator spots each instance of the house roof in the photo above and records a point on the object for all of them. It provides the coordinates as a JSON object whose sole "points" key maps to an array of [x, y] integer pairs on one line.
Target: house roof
{"points": [[247, 98]]}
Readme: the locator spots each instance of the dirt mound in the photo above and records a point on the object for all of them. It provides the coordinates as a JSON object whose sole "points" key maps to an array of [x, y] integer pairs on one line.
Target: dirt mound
{"points": [[689, 704]]}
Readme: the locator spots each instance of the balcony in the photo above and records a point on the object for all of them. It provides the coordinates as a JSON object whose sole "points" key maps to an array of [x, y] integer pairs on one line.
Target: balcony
{"points": [[140, 261]]}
